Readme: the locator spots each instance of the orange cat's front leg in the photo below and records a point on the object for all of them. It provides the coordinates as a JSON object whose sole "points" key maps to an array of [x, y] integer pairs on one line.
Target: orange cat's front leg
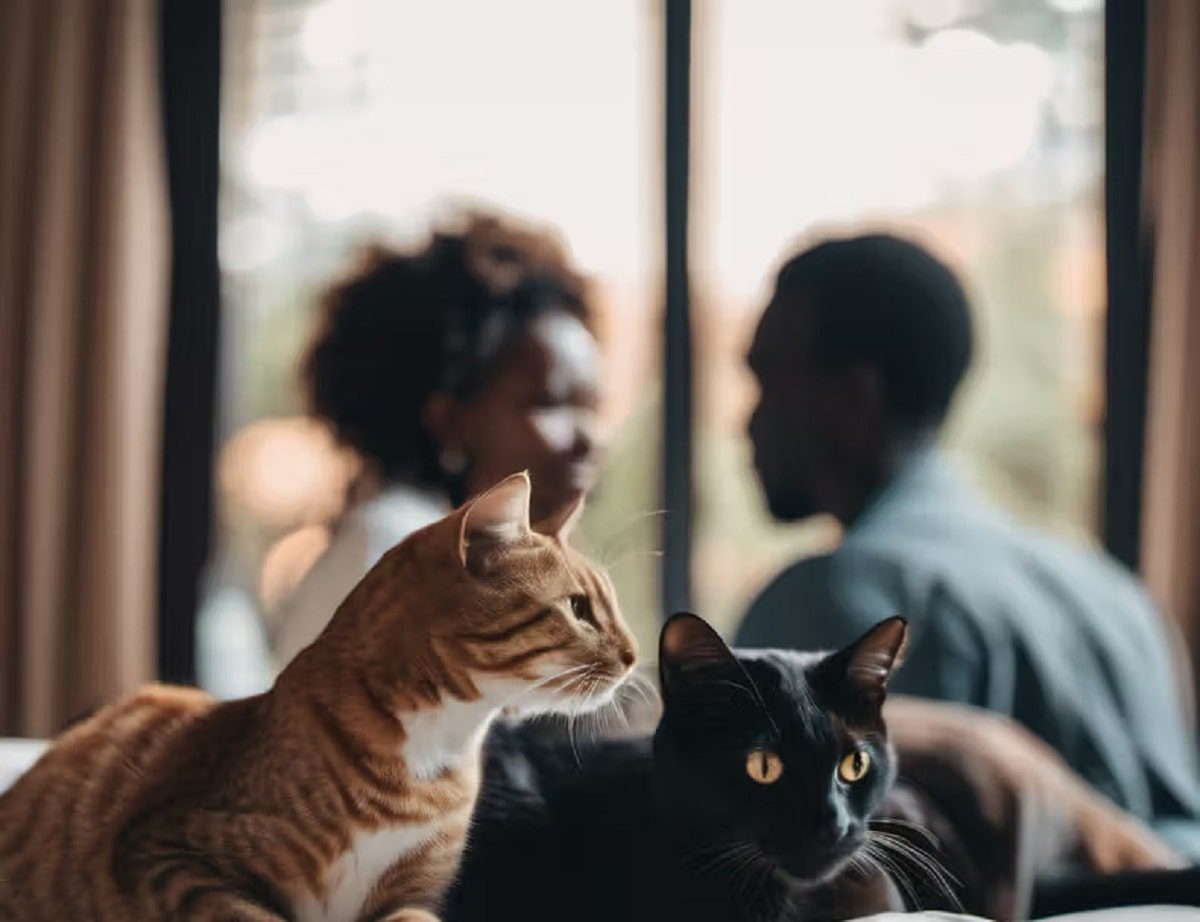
{"points": [[412, 915], [224, 907], [175, 888]]}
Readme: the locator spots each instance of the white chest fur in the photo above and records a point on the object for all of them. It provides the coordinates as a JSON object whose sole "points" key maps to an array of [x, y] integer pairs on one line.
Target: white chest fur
{"points": [[440, 738], [350, 879], [436, 739]]}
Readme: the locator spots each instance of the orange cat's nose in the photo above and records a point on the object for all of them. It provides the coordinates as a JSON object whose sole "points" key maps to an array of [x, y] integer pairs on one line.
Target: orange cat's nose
{"points": [[628, 656]]}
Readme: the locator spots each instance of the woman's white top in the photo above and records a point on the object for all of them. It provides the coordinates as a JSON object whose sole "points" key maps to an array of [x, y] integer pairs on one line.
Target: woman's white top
{"points": [[361, 537]]}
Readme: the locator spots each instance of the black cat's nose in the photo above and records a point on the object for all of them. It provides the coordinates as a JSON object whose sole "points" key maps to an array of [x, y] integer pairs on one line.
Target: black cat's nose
{"points": [[832, 826]]}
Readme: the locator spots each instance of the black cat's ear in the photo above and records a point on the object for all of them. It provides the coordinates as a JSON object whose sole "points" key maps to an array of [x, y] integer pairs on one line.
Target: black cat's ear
{"points": [[690, 651], [868, 663]]}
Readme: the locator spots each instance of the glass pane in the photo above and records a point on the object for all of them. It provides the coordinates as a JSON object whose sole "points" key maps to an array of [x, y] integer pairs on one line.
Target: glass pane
{"points": [[971, 125], [347, 121]]}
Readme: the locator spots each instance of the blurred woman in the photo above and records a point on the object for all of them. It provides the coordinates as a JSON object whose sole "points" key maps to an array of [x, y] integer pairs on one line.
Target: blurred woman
{"points": [[446, 369]]}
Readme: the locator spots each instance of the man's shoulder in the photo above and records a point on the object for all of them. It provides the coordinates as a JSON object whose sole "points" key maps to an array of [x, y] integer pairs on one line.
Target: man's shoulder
{"points": [[806, 572], [979, 545], [831, 572], [1074, 568], [847, 588]]}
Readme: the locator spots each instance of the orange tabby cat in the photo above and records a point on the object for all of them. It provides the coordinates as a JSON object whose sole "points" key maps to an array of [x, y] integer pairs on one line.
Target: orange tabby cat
{"points": [[345, 791]]}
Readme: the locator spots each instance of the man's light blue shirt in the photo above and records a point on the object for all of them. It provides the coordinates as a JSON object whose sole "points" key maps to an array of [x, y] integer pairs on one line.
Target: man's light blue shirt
{"points": [[1062, 639]]}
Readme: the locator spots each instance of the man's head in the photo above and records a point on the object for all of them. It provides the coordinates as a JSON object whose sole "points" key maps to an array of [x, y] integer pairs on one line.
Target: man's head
{"points": [[860, 350]]}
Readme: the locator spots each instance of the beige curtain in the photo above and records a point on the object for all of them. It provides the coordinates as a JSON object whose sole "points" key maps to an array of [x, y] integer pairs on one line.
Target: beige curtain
{"points": [[83, 251], [1171, 519]]}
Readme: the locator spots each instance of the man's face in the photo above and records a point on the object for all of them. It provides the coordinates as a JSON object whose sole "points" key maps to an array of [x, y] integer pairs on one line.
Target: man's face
{"points": [[787, 428]]}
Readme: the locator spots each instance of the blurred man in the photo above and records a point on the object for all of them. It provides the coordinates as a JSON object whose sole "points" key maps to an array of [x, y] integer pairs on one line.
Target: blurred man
{"points": [[858, 357]]}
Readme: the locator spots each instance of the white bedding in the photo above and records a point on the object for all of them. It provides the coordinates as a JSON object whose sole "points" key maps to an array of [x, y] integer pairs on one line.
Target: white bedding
{"points": [[1139, 914], [15, 758], [17, 755]]}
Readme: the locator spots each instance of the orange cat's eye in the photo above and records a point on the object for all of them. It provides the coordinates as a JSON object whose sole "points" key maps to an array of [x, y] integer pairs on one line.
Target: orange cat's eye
{"points": [[764, 766], [581, 607], [854, 766]]}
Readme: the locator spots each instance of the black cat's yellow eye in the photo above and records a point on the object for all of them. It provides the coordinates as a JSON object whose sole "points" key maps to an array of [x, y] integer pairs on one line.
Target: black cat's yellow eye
{"points": [[854, 766], [763, 766]]}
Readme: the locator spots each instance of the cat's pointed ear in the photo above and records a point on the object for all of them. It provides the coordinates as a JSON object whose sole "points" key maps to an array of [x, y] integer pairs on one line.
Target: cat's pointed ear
{"points": [[689, 651], [496, 516], [560, 523], [869, 662]]}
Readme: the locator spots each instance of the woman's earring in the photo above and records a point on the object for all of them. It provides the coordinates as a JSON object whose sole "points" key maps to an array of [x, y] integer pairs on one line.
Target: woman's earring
{"points": [[453, 461]]}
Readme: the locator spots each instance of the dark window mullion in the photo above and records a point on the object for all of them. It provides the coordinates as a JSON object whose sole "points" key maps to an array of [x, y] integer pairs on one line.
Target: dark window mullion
{"points": [[1127, 322], [191, 91], [677, 339]]}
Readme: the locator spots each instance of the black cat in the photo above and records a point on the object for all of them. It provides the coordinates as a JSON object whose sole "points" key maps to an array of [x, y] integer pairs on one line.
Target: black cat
{"points": [[755, 790]]}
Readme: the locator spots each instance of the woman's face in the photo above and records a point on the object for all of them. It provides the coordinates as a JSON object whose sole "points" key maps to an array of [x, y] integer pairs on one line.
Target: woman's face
{"points": [[538, 412]]}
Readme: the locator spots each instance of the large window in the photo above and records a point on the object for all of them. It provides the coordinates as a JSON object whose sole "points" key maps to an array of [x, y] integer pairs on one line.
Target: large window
{"points": [[350, 121], [974, 125]]}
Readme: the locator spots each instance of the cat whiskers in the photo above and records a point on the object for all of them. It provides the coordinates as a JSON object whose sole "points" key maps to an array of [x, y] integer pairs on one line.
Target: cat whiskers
{"points": [[754, 874], [608, 717], [939, 876], [597, 721], [603, 555], [877, 858], [709, 858], [585, 685], [891, 852], [644, 688], [568, 674], [613, 717], [915, 827], [744, 863], [636, 704], [866, 864], [582, 687], [542, 683]]}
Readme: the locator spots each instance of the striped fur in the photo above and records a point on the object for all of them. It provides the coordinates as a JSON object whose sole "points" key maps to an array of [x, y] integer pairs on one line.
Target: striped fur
{"points": [[345, 791]]}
